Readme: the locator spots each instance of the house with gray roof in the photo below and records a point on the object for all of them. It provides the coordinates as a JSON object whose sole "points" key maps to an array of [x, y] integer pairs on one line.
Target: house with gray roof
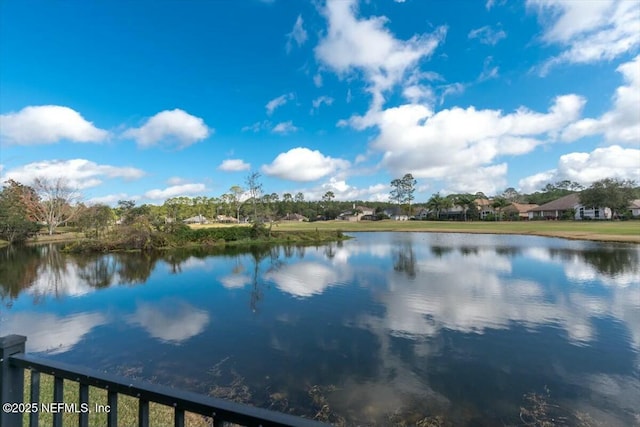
{"points": [[568, 206]]}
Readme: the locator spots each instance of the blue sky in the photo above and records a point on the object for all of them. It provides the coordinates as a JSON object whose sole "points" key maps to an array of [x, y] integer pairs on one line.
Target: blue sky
{"points": [[149, 100]]}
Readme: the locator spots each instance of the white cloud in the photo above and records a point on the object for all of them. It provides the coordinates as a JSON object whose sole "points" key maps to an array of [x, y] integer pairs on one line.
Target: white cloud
{"points": [[170, 321], [174, 191], [111, 199], [170, 126], [451, 89], [326, 100], [491, 3], [344, 191], [79, 173], [365, 45], [590, 31], [176, 180], [585, 168], [46, 124], [278, 102], [298, 34], [257, 126], [284, 127], [317, 80], [303, 164], [488, 70], [487, 35], [461, 145], [620, 125], [234, 165], [418, 94]]}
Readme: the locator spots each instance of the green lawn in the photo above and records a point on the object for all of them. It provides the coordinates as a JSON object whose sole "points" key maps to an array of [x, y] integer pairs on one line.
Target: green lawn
{"points": [[159, 415], [622, 231]]}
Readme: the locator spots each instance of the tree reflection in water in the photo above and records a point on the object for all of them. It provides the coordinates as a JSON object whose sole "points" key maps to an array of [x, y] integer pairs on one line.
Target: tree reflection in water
{"points": [[405, 258], [97, 272], [18, 271], [608, 261]]}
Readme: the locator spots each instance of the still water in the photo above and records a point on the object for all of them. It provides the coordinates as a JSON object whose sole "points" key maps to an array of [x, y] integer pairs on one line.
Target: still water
{"points": [[383, 329]]}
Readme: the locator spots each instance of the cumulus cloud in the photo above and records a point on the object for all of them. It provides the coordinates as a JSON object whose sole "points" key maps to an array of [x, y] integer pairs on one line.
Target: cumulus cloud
{"points": [[278, 102], [585, 168], [284, 127], [487, 35], [174, 191], [79, 173], [345, 191], [298, 34], [367, 46], [620, 125], [46, 124], [589, 31], [171, 127], [302, 164], [461, 145], [234, 165], [111, 199]]}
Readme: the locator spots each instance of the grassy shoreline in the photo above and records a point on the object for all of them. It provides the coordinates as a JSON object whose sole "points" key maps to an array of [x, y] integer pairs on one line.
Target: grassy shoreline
{"points": [[609, 231]]}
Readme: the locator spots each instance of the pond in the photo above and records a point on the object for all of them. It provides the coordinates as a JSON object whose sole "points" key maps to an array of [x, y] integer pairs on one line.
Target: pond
{"points": [[383, 329]]}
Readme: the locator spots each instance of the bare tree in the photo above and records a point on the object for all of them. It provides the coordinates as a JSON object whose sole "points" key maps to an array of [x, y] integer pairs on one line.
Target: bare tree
{"points": [[235, 198], [255, 191], [57, 202]]}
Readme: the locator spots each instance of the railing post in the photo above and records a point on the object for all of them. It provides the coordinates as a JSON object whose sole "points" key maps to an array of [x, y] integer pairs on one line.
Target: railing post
{"points": [[12, 379]]}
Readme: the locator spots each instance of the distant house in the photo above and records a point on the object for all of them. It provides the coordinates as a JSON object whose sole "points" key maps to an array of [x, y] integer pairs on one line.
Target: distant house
{"points": [[518, 210], [226, 219], [454, 212], [634, 207], [484, 207], [356, 213], [295, 217], [396, 214], [198, 219], [569, 206], [422, 214]]}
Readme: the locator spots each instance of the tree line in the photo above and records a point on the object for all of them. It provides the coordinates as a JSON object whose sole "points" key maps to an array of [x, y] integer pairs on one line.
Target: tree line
{"points": [[49, 203]]}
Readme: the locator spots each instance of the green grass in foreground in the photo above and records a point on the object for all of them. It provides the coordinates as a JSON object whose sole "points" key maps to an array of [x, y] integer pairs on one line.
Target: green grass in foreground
{"points": [[624, 231], [159, 415]]}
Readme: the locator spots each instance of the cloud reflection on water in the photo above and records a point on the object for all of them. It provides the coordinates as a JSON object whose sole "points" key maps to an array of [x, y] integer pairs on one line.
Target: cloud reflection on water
{"points": [[170, 320], [47, 332]]}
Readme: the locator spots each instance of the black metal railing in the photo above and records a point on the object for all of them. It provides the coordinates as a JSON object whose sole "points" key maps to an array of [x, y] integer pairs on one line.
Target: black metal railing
{"points": [[14, 361]]}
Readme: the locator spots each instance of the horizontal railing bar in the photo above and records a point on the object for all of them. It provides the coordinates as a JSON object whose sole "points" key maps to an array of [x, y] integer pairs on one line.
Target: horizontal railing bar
{"points": [[185, 400]]}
